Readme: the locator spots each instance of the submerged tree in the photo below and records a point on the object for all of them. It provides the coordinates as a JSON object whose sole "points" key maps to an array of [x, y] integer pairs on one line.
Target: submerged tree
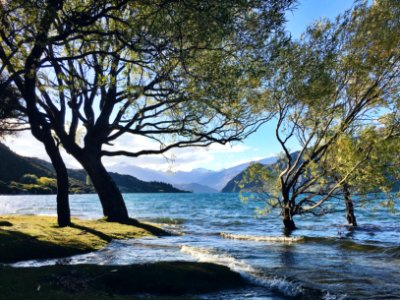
{"points": [[338, 79], [361, 165], [175, 72]]}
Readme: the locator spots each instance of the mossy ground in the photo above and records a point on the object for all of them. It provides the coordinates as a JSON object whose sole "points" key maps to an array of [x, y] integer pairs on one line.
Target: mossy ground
{"points": [[38, 237]]}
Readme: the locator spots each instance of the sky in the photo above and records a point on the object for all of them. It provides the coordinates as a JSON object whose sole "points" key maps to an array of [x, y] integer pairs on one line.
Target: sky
{"points": [[260, 144]]}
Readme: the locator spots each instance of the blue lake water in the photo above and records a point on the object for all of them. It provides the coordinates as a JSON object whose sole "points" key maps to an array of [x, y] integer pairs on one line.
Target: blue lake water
{"points": [[323, 259]]}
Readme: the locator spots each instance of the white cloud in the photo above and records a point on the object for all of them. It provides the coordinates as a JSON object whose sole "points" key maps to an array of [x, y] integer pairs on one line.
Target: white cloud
{"points": [[26, 145], [214, 157], [229, 148]]}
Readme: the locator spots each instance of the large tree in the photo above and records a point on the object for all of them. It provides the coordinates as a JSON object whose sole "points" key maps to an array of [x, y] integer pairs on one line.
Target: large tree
{"points": [[18, 81], [340, 78], [176, 72]]}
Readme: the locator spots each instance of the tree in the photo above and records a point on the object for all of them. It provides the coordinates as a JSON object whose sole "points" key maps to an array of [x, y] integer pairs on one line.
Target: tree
{"points": [[29, 178], [11, 118], [340, 78], [375, 153], [175, 72]]}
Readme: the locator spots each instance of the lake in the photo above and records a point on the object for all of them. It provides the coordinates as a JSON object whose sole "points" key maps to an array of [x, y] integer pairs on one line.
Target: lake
{"points": [[323, 259]]}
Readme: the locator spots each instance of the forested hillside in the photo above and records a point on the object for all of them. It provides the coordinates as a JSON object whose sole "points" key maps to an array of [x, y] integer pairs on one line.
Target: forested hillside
{"points": [[27, 175]]}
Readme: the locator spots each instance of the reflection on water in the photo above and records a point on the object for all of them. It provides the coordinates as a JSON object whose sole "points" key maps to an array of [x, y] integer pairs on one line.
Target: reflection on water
{"points": [[322, 260]]}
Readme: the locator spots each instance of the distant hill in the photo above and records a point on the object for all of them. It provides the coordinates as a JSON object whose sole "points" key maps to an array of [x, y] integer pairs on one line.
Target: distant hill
{"points": [[195, 188], [232, 185], [197, 180], [27, 175], [14, 166]]}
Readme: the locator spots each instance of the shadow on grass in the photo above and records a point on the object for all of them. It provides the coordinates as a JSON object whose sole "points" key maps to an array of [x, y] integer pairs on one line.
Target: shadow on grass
{"points": [[17, 246], [97, 233], [6, 224], [150, 228]]}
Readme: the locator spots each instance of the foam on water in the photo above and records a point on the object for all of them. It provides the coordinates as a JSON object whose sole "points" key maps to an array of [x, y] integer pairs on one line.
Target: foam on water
{"points": [[255, 276], [274, 239]]}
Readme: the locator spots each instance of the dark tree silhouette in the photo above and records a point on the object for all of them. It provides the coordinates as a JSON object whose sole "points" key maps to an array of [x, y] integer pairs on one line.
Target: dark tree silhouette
{"points": [[176, 72]]}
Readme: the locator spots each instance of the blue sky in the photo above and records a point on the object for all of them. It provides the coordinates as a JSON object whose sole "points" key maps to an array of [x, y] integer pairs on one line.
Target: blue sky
{"points": [[259, 145]]}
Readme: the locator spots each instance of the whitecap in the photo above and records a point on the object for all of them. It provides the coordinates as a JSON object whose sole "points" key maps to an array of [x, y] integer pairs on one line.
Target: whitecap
{"points": [[250, 273], [274, 239]]}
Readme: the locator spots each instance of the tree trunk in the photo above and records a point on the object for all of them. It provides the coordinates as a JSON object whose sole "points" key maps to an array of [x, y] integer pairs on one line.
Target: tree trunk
{"points": [[63, 210], [287, 217], [351, 218], [111, 199], [43, 134]]}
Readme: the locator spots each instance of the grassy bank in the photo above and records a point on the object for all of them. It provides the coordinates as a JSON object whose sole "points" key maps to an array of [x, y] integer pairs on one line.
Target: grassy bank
{"points": [[39, 237]]}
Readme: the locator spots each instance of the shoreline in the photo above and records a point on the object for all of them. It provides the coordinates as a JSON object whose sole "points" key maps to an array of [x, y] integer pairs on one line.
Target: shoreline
{"points": [[26, 237]]}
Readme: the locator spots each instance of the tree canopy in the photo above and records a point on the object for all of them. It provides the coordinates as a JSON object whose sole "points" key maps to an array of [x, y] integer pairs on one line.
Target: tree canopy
{"points": [[331, 93], [175, 72]]}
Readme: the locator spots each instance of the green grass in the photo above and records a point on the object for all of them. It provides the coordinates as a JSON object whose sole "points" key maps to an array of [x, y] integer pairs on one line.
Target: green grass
{"points": [[39, 237]]}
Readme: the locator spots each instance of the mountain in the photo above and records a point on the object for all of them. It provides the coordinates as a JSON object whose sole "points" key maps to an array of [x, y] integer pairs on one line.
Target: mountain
{"points": [[219, 179], [13, 166], [232, 185], [20, 174], [179, 177], [138, 172], [195, 188], [198, 180]]}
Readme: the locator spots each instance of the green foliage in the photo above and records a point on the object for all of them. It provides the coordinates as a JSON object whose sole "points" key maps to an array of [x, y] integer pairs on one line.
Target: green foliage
{"points": [[178, 73], [45, 181], [29, 188], [29, 178], [335, 92], [260, 182]]}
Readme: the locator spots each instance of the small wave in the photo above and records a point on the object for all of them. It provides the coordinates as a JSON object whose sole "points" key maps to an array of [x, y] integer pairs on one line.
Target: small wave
{"points": [[205, 255], [359, 246], [276, 239], [280, 284], [169, 221]]}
